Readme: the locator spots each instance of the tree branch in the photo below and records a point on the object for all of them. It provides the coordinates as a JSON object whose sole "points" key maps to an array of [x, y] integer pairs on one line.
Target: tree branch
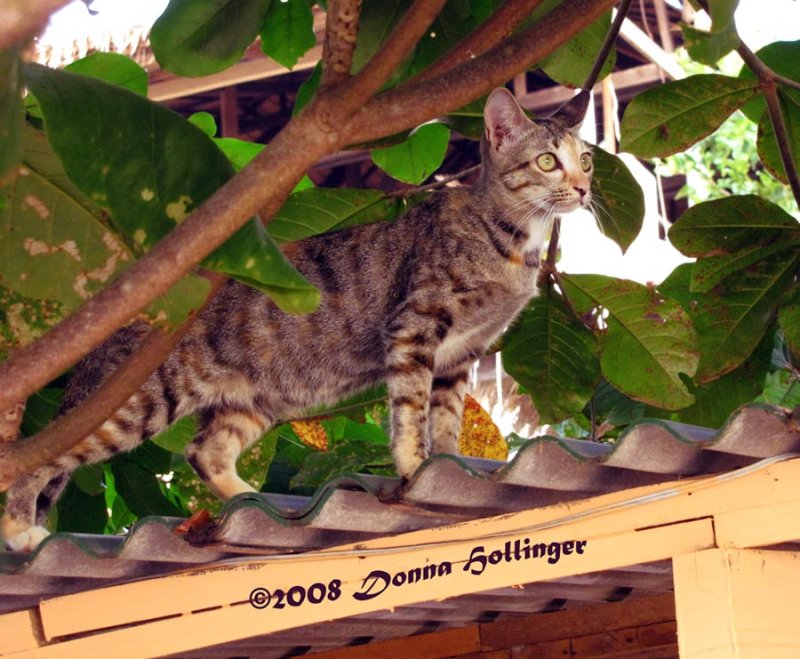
{"points": [[341, 30], [608, 44], [416, 102], [487, 35], [769, 85], [352, 94], [22, 20], [326, 124], [21, 457]]}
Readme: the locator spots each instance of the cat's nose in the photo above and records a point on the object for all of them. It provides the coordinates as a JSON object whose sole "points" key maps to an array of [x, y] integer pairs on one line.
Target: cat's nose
{"points": [[580, 190]]}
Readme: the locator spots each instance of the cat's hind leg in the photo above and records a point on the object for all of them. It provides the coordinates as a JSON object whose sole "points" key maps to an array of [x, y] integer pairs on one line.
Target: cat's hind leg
{"points": [[223, 434], [447, 409], [27, 504]]}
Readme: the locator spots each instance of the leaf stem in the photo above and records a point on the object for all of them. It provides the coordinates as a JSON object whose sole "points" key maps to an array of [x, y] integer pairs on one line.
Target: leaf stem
{"points": [[608, 44]]}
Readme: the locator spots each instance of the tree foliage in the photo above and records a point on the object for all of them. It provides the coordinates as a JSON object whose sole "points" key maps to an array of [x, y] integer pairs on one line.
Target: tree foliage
{"points": [[96, 197]]}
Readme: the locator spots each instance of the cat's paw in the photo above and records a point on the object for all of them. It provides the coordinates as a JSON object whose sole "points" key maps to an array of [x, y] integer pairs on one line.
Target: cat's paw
{"points": [[27, 540]]}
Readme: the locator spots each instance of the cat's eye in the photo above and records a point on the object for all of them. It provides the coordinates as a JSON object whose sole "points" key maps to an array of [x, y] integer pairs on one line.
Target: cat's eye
{"points": [[586, 161], [547, 162]]}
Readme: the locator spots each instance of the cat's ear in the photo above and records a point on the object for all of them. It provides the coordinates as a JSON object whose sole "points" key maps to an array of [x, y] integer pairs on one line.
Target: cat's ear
{"points": [[573, 112], [503, 118]]}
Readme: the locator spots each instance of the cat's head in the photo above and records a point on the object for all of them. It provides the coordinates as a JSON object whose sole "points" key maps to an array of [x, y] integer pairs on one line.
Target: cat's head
{"points": [[540, 165]]}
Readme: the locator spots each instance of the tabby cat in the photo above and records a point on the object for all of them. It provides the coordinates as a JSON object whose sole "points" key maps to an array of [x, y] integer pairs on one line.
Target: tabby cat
{"points": [[412, 303]]}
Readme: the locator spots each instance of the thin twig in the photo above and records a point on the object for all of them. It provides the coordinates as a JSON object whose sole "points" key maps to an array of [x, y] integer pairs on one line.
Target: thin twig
{"points": [[18, 458], [491, 32], [769, 86], [608, 44], [341, 30], [436, 184]]}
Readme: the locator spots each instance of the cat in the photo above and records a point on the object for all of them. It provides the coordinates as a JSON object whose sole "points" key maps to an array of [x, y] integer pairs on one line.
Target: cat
{"points": [[413, 303]]}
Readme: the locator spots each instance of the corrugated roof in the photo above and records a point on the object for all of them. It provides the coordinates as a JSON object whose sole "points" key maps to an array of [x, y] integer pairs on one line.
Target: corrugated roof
{"points": [[446, 489]]}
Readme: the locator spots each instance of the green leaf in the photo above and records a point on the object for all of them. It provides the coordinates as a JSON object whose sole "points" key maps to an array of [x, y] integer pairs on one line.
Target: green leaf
{"points": [[781, 388], [617, 198], [177, 436], [732, 319], [117, 69], [716, 400], [48, 226], [251, 257], [288, 31], [783, 57], [376, 22], [151, 168], [553, 356], [307, 90], [418, 157], [671, 117], [767, 143], [89, 478], [650, 342], [11, 111], [731, 224], [200, 37], [254, 463], [571, 64], [353, 456], [320, 210], [709, 47], [41, 409], [81, 512], [204, 121], [135, 478], [22, 319], [710, 271], [355, 407], [789, 319], [468, 120]]}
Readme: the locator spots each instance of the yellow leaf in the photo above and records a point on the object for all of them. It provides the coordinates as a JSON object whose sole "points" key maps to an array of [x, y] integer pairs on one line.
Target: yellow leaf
{"points": [[311, 433], [480, 437]]}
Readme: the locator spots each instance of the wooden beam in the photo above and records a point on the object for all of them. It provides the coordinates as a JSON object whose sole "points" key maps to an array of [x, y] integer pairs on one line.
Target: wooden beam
{"points": [[650, 49], [247, 71], [737, 603]]}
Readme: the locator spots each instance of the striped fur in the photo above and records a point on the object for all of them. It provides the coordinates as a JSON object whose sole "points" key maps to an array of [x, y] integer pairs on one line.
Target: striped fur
{"points": [[412, 303]]}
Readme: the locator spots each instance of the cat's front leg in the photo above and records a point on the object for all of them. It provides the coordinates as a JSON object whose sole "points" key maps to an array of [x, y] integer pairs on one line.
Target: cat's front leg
{"points": [[409, 386], [447, 408]]}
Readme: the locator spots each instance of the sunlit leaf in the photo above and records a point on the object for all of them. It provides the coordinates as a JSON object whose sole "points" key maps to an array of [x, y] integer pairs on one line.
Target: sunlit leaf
{"points": [[571, 64], [200, 37], [650, 342], [767, 143], [783, 57], [731, 224], [418, 157], [288, 31], [114, 68], [671, 117], [710, 46], [553, 356], [617, 198]]}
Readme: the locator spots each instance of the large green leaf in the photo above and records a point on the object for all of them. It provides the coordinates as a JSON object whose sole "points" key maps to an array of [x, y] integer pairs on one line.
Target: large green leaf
{"points": [[151, 168], [669, 118], [617, 199], [11, 110], [709, 47], [375, 24], [553, 356], [351, 456], [114, 68], [81, 512], [23, 319], [783, 57], [767, 143], [48, 227], [710, 271], [789, 319], [136, 481], [288, 31], [571, 64], [319, 210], [650, 342], [731, 224], [200, 37], [732, 319], [418, 157]]}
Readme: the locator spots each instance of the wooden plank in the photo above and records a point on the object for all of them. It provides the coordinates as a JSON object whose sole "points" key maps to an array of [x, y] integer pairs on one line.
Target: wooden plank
{"points": [[19, 631], [737, 603], [450, 643], [356, 587], [546, 627]]}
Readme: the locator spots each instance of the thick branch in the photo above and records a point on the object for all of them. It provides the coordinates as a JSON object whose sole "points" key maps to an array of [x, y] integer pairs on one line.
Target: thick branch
{"points": [[490, 33], [351, 95], [416, 102], [18, 458], [769, 85], [341, 30], [265, 183], [22, 20]]}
